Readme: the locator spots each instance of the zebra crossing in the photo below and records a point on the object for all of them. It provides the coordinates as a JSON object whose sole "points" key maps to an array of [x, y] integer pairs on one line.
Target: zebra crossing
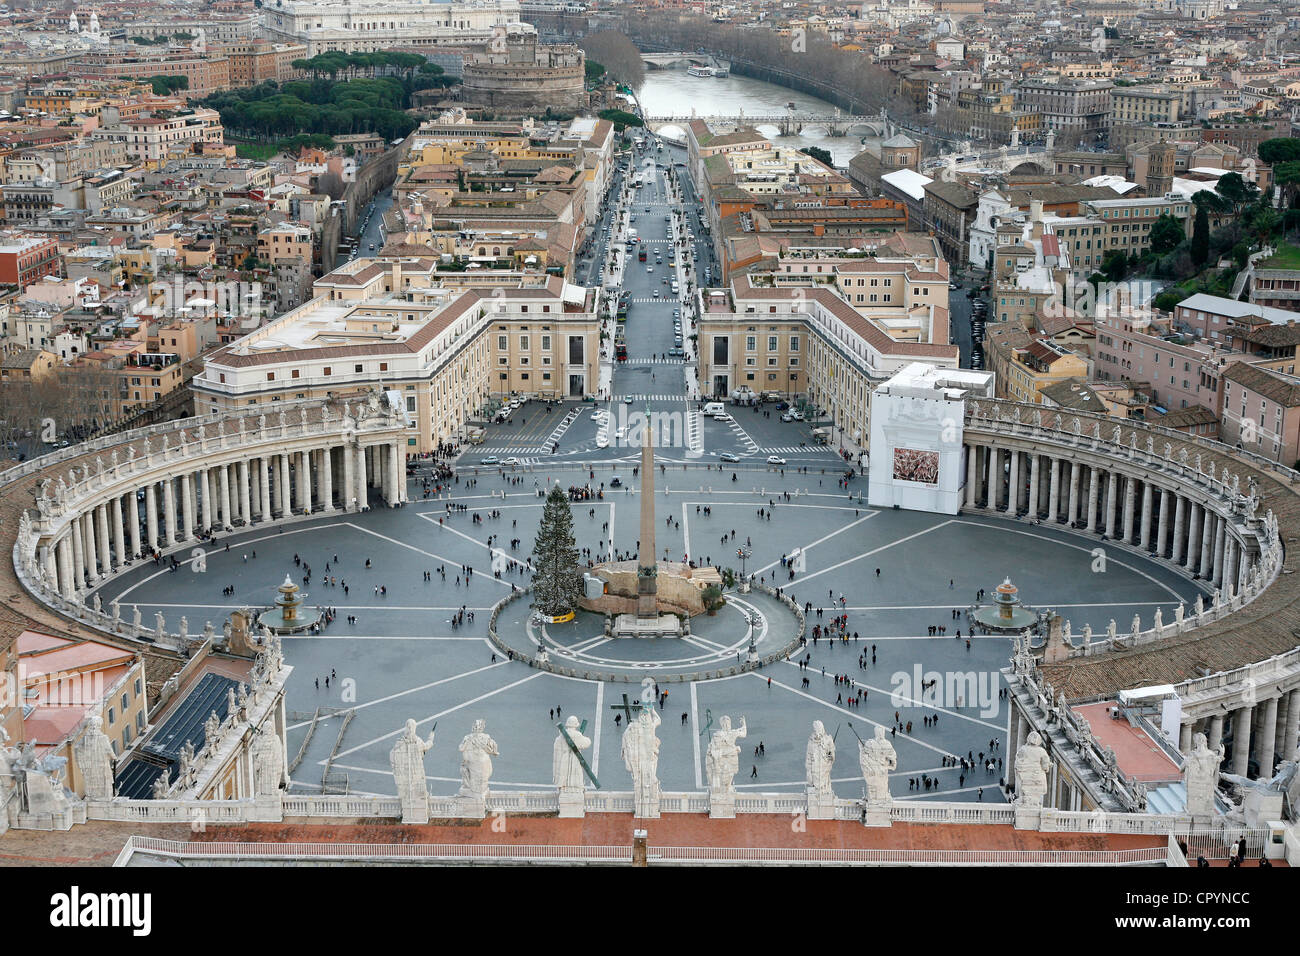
{"points": [[563, 427], [695, 432], [648, 299], [795, 450], [742, 436], [654, 361], [679, 397], [515, 450]]}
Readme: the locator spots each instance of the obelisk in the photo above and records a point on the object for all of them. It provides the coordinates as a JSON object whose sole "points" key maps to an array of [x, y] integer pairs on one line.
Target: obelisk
{"points": [[647, 565]]}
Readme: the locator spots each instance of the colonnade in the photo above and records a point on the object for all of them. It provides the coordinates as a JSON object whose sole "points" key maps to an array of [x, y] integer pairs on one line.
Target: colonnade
{"points": [[1113, 502], [186, 503]]}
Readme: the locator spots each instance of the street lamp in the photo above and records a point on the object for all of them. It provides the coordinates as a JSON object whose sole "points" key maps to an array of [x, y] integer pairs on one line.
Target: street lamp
{"points": [[744, 553]]}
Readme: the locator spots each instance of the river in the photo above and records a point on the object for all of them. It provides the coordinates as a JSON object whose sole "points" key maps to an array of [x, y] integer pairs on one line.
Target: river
{"points": [[674, 93]]}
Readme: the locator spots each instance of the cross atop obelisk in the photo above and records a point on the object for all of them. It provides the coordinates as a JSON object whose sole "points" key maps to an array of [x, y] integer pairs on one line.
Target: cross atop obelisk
{"points": [[647, 570]]}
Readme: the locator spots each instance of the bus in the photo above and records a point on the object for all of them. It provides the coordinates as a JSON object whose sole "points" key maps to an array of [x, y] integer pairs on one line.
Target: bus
{"points": [[620, 346], [641, 255]]}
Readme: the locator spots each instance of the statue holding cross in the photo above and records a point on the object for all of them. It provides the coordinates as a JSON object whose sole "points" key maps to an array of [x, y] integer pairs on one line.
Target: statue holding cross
{"points": [[568, 766], [641, 757]]}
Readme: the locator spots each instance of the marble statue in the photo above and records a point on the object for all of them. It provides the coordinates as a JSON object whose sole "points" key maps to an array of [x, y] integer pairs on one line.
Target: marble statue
{"points": [[722, 759], [1032, 767], [1179, 613], [1182, 456], [1137, 625], [1115, 436], [1151, 445], [212, 731], [641, 757], [1200, 605], [876, 758], [566, 768], [1087, 634], [135, 616], [160, 623], [819, 757], [93, 753], [1201, 776], [160, 786], [232, 708], [184, 631], [1158, 621], [407, 760], [270, 775], [476, 752], [1111, 630]]}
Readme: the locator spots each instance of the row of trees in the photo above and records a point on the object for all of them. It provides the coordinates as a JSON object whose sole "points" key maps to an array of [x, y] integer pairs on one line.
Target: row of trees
{"points": [[167, 85], [617, 55], [270, 112]]}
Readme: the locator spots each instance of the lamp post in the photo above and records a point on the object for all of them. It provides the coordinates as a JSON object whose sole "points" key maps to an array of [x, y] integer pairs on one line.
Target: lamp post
{"points": [[744, 553]]}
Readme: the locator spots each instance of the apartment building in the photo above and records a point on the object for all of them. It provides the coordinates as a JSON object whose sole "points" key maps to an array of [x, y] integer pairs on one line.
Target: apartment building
{"points": [[1261, 412], [1075, 106]]}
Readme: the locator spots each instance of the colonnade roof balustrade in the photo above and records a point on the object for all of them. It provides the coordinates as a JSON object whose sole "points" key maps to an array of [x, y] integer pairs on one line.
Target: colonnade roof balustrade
{"points": [[1266, 627]]}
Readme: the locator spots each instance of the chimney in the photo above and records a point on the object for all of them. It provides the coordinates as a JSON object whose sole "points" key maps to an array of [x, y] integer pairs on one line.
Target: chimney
{"points": [[397, 276], [1036, 218]]}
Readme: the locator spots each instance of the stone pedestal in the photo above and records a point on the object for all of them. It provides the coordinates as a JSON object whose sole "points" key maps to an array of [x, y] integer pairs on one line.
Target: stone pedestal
{"points": [[646, 804], [270, 809], [470, 808], [821, 806], [1028, 818], [573, 803], [877, 815], [722, 806], [416, 811]]}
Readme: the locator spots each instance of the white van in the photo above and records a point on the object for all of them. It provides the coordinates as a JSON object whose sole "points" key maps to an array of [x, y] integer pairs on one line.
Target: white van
{"points": [[715, 408]]}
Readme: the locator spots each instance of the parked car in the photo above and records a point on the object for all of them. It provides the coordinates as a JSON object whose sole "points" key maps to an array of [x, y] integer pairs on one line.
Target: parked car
{"points": [[729, 456], [490, 460], [510, 461]]}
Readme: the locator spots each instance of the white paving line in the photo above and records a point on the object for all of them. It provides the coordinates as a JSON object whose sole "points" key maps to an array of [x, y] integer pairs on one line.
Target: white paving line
{"points": [[597, 724], [826, 537], [441, 713], [867, 554], [695, 734], [416, 690]]}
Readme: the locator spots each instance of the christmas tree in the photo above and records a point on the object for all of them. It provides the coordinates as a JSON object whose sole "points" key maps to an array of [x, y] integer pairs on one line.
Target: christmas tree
{"points": [[557, 581]]}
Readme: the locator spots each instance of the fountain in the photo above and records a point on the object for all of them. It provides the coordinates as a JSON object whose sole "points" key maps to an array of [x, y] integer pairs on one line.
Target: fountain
{"points": [[1006, 614], [288, 615]]}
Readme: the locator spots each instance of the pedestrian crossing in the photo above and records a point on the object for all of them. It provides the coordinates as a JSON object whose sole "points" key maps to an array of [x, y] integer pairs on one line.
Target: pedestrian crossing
{"points": [[563, 427], [651, 300], [679, 397], [515, 450], [795, 450], [742, 436], [633, 360]]}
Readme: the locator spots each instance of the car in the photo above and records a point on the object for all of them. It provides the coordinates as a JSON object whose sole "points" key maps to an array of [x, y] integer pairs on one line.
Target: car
{"points": [[616, 481], [677, 314], [512, 460], [775, 460], [621, 433], [627, 400], [656, 293], [676, 352], [490, 460], [597, 414], [602, 441], [729, 456]]}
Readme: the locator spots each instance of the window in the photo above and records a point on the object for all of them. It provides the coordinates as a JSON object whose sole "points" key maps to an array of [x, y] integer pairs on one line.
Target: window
{"points": [[383, 366], [502, 343], [111, 715], [356, 369], [328, 370]]}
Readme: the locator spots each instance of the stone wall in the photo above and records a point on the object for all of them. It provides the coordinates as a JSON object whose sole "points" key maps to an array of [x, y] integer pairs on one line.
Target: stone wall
{"points": [[677, 593]]}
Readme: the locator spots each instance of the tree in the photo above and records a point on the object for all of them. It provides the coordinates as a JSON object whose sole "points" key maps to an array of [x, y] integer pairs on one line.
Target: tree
{"points": [[822, 156], [594, 70], [1284, 149], [557, 582], [1235, 189], [1166, 234], [1201, 237]]}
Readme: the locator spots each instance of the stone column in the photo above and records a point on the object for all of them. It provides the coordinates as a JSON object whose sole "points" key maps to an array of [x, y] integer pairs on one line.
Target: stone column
{"points": [[1230, 554], [78, 557], [304, 481], [349, 478], [1112, 491], [89, 554], [1053, 488], [399, 473], [227, 519], [1094, 480], [285, 486], [206, 517], [1215, 733], [1268, 738], [264, 486], [1033, 484], [133, 510], [245, 498], [101, 535], [1072, 509], [1206, 566], [1180, 524], [995, 478], [1291, 737], [1013, 483], [187, 506], [1184, 738], [363, 484], [972, 472], [1147, 500], [327, 479], [1162, 532], [67, 567], [1219, 533], [151, 514], [1279, 734], [1130, 497], [1192, 559], [1241, 719], [119, 531]]}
